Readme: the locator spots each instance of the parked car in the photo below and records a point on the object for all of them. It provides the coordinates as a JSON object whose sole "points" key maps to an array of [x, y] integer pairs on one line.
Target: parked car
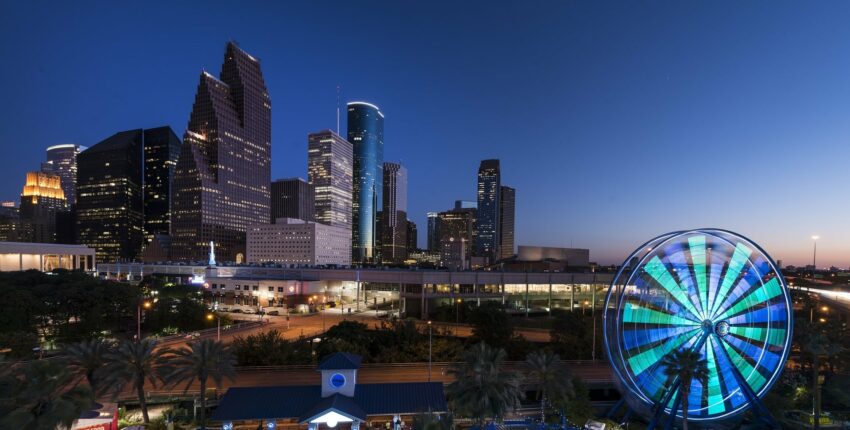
{"points": [[248, 311], [273, 313], [236, 311]]}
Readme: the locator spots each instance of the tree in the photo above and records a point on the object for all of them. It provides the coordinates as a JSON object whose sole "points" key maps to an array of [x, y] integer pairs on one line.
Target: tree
{"points": [[38, 397], [481, 388], [491, 325], [88, 358], [549, 377], [685, 365], [134, 363], [200, 361]]}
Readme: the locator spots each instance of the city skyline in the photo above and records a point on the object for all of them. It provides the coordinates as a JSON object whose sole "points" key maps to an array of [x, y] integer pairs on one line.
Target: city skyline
{"points": [[794, 139]]}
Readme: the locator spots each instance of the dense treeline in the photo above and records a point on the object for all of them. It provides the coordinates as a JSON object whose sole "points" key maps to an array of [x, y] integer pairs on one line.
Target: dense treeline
{"points": [[64, 307], [61, 307]]}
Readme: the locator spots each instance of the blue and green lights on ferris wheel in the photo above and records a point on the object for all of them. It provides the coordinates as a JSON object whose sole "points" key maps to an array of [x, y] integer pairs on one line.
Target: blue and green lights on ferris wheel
{"points": [[710, 291]]}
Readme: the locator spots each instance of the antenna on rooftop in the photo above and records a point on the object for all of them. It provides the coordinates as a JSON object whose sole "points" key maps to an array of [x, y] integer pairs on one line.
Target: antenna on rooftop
{"points": [[337, 109]]}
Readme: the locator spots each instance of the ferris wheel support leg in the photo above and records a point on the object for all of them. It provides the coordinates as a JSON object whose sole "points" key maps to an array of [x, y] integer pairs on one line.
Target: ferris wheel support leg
{"points": [[672, 417], [659, 406], [613, 411], [759, 410]]}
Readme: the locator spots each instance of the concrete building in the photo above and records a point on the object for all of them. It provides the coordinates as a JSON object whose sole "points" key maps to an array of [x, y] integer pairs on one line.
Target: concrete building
{"points": [[297, 242], [62, 161], [222, 178], [507, 209], [42, 198], [569, 257], [330, 163], [293, 198], [15, 256], [394, 214], [457, 237], [488, 223]]}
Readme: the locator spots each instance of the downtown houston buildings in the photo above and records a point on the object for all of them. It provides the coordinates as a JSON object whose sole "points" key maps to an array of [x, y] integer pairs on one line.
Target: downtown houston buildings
{"points": [[221, 183], [366, 134]]}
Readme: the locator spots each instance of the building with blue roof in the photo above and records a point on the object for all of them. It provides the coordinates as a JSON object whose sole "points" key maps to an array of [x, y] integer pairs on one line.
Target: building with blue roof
{"points": [[339, 402]]}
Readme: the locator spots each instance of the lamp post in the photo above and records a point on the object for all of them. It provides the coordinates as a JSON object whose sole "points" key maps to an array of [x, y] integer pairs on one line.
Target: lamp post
{"points": [[429, 349], [143, 304], [815, 254], [457, 311], [218, 330]]}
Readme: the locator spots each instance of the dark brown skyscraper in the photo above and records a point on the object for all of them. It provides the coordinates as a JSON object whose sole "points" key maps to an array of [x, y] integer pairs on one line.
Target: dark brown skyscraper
{"points": [[221, 183], [293, 198], [507, 204]]}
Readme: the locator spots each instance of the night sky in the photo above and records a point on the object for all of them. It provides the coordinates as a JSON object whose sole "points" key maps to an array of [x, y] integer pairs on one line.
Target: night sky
{"points": [[616, 122]]}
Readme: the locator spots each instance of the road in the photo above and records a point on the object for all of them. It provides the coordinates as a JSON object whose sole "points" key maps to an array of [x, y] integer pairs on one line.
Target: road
{"points": [[316, 324]]}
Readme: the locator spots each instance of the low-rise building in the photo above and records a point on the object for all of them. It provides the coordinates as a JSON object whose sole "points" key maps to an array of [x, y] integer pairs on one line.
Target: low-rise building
{"points": [[15, 256], [298, 242]]}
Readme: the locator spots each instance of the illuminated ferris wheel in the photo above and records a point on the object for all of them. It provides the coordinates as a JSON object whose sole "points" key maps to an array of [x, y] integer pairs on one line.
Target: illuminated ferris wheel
{"points": [[710, 291]]}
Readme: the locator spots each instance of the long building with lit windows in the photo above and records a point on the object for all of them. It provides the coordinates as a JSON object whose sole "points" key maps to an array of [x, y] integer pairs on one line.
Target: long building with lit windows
{"points": [[110, 207], [222, 179], [330, 161], [295, 241]]}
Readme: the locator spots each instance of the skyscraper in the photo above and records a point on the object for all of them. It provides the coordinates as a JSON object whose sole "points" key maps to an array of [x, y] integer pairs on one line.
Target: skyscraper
{"points": [[292, 198], [41, 199], [9, 221], [330, 162], [433, 232], [366, 133], [394, 213], [161, 149], [109, 196], [507, 203], [488, 223], [62, 161], [221, 183], [456, 234]]}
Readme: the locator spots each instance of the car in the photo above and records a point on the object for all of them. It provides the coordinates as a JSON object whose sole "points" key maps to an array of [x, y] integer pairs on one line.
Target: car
{"points": [[273, 313], [236, 311], [248, 311]]}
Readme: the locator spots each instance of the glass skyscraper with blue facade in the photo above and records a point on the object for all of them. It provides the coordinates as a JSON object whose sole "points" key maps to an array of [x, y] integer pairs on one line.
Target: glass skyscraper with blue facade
{"points": [[489, 219], [366, 134]]}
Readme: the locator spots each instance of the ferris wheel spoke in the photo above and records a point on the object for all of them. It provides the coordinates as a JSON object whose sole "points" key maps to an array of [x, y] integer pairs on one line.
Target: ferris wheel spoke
{"points": [[750, 374], [697, 247], [761, 295], [651, 357], [714, 391], [635, 313], [658, 271], [639, 337], [739, 259], [773, 314], [767, 335], [757, 350]]}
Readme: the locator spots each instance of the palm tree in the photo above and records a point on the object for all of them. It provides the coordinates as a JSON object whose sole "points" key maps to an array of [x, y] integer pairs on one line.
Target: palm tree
{"points": [[551, 379], [88, 358], [200, 361], [37, 396], [134, 362], [481, 388], [686, 365]]}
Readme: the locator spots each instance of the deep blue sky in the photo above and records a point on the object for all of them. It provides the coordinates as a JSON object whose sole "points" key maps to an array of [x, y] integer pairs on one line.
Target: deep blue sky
{"points": [[615, 121]]}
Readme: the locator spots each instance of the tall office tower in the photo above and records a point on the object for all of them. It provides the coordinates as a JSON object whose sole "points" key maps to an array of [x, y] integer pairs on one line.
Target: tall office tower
{"points": [[161, 149], [507, 204], [293, 198], [488, 223], [433, 231], [412, 237], [456, 235], [110, 204], [366, 133], [62, 161], [41, 199], [9, 221], [330, 162], [221, 183], [394, 214]]}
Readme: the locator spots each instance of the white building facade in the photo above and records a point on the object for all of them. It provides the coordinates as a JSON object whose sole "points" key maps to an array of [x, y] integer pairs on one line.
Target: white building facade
{"points": [[297, 242]]}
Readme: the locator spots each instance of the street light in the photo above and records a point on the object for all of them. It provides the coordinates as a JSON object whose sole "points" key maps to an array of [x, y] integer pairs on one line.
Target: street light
{"points": [[815, 253], [429, 349], [457, 311], [146, 304], [218, 330]]}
